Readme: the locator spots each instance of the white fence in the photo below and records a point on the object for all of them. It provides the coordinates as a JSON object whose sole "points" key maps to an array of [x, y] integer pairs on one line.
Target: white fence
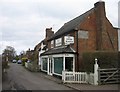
{"points": [[100, 76], [81, 77], [77, 77], [74, 77]]}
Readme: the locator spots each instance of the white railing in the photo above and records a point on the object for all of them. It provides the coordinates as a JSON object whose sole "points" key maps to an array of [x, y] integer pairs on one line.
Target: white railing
{"points": [[81, 77], [74, 77], [77, 77]]}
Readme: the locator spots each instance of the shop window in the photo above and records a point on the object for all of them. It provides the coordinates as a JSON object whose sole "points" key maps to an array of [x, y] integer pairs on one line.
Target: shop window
{"points": [[58, 65], [69, 63], [44, 61]]}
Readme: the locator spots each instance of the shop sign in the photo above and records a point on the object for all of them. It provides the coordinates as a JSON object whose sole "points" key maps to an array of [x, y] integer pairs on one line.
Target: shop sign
{"points": [[68, 40]]}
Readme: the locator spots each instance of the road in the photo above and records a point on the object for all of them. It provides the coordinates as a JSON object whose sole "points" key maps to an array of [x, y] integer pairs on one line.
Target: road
{"points": [[22, 79]]}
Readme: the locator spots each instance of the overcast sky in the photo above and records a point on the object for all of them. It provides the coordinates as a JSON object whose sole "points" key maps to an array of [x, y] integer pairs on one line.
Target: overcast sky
{"points": [[23, 22]]}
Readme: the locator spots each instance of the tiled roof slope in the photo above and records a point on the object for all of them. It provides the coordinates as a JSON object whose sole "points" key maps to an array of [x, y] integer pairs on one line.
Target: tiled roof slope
{"points": [[71, 25], [67, 49]]}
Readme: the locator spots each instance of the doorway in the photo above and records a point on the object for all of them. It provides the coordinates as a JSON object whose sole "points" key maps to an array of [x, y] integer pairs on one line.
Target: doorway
{"points": [[69, 63]]}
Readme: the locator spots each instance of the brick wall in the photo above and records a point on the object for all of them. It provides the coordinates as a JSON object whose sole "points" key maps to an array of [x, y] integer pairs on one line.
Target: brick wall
{"points": [[101, 34]]}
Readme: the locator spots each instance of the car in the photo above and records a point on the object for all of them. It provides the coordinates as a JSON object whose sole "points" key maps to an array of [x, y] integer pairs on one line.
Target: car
{"points": [[19, 61], [14, 61]]}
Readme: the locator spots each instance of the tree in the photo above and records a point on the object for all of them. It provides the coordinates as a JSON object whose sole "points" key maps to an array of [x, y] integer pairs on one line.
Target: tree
{"points": [[9, 53]]}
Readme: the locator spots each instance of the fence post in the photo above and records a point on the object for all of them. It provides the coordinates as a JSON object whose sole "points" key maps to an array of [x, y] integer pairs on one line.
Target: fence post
{"points": [[96, 72], [63, 76]]}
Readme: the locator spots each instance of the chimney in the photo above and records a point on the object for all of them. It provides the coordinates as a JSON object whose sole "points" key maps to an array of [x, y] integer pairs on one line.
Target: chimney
{"points": [[49, 33], [99, 8]]}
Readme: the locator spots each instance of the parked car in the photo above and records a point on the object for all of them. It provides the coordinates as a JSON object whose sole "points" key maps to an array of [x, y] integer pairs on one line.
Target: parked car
{"points": [[14, 61], [19, 61]]}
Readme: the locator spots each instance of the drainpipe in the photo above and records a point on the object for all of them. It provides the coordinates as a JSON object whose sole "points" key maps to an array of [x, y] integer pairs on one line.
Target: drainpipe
{"points": [[77, 64]]}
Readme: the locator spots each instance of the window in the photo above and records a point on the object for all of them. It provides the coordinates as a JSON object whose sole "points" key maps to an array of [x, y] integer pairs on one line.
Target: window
{"points": [[69, 63], [58, 42], [44, 61], [58, 65], [83, 34]]}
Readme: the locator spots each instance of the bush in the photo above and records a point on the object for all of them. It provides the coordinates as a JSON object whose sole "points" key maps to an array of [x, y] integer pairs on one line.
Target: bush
{"points": [[105, 60], [24, 60]]}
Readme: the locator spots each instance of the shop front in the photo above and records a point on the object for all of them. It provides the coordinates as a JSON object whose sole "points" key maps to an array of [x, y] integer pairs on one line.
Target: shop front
{"points": [[55, 63]]}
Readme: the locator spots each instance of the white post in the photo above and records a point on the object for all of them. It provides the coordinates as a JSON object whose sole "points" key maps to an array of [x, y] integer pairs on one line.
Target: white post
{"points": [[64, 62], [48, 66], [63, 76], [96, 72], [74, 64]]}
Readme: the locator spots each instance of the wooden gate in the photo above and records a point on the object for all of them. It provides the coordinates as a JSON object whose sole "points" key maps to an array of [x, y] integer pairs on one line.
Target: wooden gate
{"points": [[109, 76]]}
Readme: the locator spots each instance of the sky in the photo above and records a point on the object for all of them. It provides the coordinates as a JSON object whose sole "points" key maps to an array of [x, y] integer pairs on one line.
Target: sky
{"points": [[23, 22]]}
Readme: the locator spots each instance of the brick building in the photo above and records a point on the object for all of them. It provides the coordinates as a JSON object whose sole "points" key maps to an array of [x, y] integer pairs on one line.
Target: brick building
{"points": [[91, 31]]}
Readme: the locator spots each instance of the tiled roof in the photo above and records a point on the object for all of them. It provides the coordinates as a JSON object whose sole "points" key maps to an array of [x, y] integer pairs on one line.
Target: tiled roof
{"points": [[61, 50], [71, 25]]}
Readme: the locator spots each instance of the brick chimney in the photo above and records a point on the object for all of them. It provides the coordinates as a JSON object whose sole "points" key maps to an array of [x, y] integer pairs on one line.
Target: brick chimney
{"points": [[100, 22], [49, 33], [100, 8]]}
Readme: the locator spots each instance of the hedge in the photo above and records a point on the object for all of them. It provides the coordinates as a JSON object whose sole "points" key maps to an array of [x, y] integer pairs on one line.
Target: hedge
{"points": [[105, 60]]}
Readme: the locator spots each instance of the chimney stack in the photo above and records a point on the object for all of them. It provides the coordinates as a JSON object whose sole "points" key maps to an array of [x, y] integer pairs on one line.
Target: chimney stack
{"points": [[100, 22], [100, 8], [49, 32]]}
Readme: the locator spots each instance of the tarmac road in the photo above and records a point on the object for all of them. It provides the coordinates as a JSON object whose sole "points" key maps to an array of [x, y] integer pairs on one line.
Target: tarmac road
{"points": [[22, 79]]}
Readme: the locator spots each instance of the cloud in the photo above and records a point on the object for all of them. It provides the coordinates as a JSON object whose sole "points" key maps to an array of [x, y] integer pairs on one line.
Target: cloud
{"points": [[23, 22]]}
